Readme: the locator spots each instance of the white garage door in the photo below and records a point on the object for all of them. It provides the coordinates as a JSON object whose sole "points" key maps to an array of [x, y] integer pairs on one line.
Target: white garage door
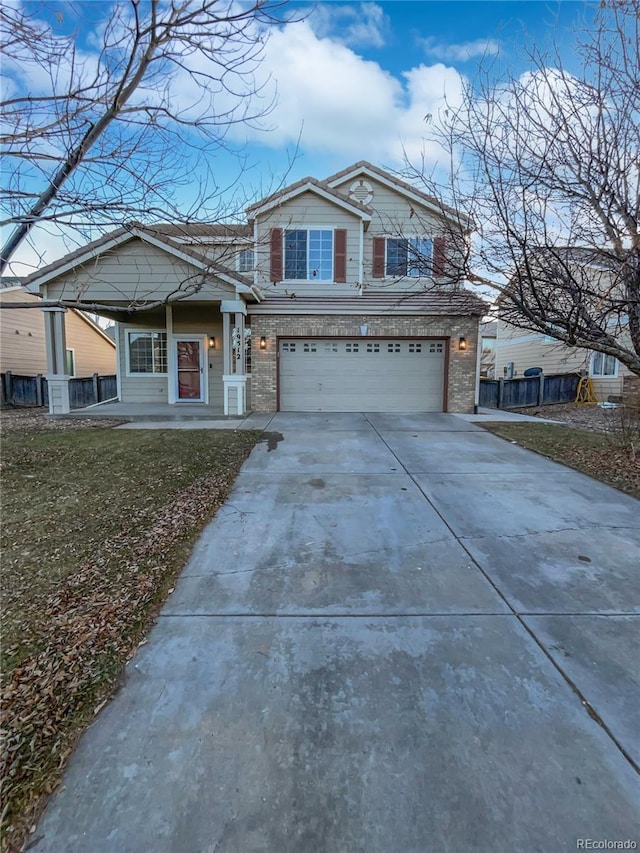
{"points": [[361, 375]]}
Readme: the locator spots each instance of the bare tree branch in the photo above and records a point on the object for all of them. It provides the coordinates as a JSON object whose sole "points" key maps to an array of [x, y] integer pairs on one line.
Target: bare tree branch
{"points": [[117, 130]]}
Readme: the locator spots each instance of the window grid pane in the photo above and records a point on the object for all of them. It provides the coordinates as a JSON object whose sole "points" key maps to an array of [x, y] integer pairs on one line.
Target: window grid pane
{"points": [[419, 257], [147, 352], [245, 260], [295, 254], [308, 254], [396, 257]]}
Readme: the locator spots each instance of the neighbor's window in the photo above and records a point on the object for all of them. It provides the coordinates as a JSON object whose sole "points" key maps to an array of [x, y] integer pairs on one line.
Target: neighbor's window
{"points": [[308, 254], [70, 362], [147, 352], [410, 256], [245, 260], [603, 365]]}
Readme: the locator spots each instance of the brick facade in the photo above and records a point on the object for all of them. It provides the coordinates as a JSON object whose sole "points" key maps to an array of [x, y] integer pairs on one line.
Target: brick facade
{"points": [[461, 370]]}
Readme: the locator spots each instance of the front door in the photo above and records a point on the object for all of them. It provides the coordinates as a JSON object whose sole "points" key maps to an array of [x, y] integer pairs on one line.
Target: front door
{"points": [[190, 370]]}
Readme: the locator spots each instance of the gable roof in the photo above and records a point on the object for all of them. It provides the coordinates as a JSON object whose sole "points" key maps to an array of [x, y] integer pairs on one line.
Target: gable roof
{"points": [[154, 235], [363, 167], [320, 188]]}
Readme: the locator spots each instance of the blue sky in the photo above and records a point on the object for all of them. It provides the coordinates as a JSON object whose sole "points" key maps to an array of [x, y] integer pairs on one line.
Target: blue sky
{"points": [[355, 80]]}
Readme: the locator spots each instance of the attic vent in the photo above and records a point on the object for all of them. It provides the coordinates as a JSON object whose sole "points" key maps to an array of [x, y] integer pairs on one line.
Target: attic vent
{"points": [[361, 191]]}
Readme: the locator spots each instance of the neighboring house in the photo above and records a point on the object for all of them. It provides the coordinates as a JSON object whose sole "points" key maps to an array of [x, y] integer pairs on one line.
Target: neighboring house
{"points": [[332, 297], [23, 348], [518, 349], [488, 335]]}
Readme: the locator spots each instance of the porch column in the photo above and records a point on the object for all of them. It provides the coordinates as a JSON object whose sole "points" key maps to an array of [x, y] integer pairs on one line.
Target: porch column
{"points": [[234, 379], [57, 377]]}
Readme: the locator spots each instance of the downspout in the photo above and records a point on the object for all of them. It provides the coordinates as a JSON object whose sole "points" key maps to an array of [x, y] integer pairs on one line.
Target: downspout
{"points": [[361, 258]]}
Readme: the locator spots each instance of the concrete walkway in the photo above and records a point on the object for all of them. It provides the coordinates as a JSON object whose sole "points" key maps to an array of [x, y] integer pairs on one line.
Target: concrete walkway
{"points": [[401, 634]]}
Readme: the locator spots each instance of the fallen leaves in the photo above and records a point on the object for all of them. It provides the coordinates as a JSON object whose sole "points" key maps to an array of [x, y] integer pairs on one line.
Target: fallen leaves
{"points": [[93, 595]]}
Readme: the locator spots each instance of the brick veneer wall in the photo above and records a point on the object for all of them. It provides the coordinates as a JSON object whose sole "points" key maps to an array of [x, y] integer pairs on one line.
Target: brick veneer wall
{"points": [[264, 369]]}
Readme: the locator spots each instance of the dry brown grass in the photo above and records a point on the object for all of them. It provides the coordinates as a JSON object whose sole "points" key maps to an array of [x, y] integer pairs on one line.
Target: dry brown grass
{"points": [[97, 524]]}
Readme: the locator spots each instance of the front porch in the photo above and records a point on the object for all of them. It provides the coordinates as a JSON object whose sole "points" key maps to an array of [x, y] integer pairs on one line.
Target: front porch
{"points": [[151, 412], [182, 361]]}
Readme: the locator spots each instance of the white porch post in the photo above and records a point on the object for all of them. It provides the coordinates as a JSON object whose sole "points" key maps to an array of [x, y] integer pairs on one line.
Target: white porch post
{"points": [[57, 377], [234, 379]]}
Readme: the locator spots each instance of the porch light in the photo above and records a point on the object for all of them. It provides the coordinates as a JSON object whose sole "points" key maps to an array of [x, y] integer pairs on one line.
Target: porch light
{"points": [[462, 343], [364, 330], [263, 342], [212, 342]]}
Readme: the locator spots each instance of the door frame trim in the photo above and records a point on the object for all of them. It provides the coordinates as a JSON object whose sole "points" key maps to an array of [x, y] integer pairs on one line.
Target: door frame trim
{"points": [[204, 374]]}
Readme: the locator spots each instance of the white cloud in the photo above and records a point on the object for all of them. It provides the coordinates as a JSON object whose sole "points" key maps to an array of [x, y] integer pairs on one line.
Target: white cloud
{"points": [[345, 105], [461, 52], [362, 25]]}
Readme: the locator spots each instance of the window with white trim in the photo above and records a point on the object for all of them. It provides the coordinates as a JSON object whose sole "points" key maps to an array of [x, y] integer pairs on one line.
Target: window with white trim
{"points": [[603, 365], [147, 352], [245, 260], [308, 254], [410, 256], [70, 362]]}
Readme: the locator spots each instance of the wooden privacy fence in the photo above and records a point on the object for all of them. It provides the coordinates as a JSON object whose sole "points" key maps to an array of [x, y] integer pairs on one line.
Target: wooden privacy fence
{"points": [[528, 391], [32, 390]]}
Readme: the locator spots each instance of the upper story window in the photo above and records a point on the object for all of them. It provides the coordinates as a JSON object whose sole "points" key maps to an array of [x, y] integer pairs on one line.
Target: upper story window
{"points": [[603, 365], [308, 254], [410, 256], [245, 260], [147, 352]]}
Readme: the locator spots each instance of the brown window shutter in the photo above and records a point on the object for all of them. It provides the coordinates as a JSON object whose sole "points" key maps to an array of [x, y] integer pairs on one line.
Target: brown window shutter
{"points": [[340, 255], [276, 254], [379, 246], [439, 256]]}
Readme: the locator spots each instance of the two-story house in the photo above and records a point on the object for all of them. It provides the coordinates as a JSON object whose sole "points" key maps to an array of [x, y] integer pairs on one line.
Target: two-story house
{"points": [[334, 296]]}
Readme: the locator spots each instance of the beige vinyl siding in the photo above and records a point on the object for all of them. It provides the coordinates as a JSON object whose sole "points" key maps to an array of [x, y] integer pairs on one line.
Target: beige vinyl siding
{"points": [[394, 215], [133, 270], [529, 349], [200, 321], [93, 354], [23, 349], [226, 254], [309, 211], [141, 389]]}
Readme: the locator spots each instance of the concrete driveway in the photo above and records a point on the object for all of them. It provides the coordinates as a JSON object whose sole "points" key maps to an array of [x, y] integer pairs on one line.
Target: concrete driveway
{"points": [[400, 634]]}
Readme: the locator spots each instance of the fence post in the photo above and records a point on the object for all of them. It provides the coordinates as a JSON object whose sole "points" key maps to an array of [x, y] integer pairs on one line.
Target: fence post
{"points": [[541, 390], [96, 388], [500, 391], [8, 387], [39, 394]]}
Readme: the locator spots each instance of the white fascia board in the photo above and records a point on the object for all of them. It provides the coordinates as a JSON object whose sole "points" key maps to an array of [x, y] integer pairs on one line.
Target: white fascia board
{"points": [[374, 176], [282, 199]]}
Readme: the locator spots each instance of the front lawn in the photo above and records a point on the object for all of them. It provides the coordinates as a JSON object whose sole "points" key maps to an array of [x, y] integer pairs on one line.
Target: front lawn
{"points": [[97, 524], [593, 453]]}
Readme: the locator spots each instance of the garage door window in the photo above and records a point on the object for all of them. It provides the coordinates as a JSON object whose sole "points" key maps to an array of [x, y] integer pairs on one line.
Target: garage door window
{"points": [[308, 254]]}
